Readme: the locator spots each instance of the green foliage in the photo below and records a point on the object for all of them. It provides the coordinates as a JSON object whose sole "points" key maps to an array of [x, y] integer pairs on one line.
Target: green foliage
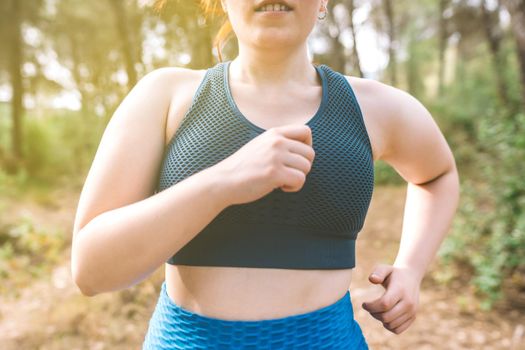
{"points": [[60, 145], [384, 174], [58, 148], [27, 251], [11, 184], [489, 231], [4, 127], [45, 154]]}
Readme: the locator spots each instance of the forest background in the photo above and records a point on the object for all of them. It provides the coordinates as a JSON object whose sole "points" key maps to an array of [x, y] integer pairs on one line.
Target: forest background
{"points": [[65, 65]]}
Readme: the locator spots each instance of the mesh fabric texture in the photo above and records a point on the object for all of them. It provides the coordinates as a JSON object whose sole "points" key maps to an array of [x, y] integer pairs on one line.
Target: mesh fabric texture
{"points": [[331, 327], [314, 228]]}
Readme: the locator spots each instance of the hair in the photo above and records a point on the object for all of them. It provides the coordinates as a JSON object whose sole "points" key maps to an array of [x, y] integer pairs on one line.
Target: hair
{"points": [[210, 8]]}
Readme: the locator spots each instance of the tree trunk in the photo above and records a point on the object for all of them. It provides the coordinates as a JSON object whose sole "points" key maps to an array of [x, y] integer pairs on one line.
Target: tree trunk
{"points": [[412, 68], [516, 9], [77, 77], [15, 71], [443, 37], [389, 12], [337, 54], [355, 52], [119, 11], [201, 45], [493, 34]]}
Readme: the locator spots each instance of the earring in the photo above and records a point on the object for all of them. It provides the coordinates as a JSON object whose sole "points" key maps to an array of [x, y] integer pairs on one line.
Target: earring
{"points": [[324, 16]]}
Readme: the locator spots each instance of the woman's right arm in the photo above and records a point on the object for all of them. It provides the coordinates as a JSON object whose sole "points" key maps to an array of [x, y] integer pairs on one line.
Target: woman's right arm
{"points": [[122, 231]]}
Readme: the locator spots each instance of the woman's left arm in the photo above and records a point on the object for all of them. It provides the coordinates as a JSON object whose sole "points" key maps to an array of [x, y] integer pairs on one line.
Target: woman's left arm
{"points": [[418, 151]]}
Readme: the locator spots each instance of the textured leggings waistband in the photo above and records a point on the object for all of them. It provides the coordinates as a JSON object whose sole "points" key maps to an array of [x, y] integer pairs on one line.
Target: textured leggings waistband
{"points": [[330, 327], [343, 303]]}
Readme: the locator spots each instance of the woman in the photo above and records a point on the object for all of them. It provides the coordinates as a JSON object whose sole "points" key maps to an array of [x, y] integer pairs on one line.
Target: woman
{"points": [[266, 174]]}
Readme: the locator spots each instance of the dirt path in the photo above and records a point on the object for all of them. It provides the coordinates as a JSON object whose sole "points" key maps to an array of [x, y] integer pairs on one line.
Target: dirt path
{"points": [[51, 314]]}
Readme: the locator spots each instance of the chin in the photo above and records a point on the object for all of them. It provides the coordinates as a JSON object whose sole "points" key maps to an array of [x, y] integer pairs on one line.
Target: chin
{"points": [[274, 38], [269, 45]]}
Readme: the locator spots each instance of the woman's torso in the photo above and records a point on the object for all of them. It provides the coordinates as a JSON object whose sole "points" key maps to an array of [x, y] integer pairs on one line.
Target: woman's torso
{"points": [[260, 293]]}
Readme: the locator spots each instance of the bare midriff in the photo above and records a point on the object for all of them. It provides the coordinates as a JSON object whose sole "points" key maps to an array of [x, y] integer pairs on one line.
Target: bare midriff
{"points": [[243, 293]]}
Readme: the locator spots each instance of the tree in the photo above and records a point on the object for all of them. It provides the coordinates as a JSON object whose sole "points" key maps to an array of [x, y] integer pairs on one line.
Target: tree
{"points": [[84, 37], [15, 45], [190, 30], [14, 14], [392, 52], [442, 39], [127, 44], [516, 8], [355, 52], [494, 35]]}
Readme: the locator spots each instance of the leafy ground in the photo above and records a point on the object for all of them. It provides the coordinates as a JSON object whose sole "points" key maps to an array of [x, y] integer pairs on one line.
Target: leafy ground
{"points": [[46, 311]]}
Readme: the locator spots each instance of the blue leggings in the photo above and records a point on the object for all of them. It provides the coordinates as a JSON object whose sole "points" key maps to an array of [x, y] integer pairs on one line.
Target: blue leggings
{"points": [[330, 327]]}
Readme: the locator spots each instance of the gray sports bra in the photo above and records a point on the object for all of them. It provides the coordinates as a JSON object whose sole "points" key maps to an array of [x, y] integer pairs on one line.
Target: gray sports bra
{"points": [[314, 228]]}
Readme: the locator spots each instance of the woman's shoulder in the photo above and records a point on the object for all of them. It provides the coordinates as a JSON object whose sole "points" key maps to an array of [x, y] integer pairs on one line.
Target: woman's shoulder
{"points": [[178, 85], [170, 78], [385, 109], [370, 92]]}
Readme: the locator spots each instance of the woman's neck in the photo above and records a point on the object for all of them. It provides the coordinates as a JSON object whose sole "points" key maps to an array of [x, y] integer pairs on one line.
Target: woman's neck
{"points": [[273, 67]]}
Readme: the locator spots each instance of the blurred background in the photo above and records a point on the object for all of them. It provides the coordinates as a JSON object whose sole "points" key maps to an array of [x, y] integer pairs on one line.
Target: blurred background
{"points": [[65, 65]]}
